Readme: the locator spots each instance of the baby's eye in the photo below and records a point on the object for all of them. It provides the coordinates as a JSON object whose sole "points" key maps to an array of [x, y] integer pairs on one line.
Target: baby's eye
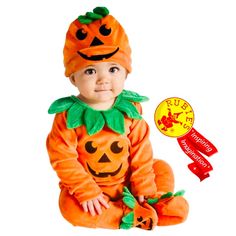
{"points": [[90, 71], [114, 69]]}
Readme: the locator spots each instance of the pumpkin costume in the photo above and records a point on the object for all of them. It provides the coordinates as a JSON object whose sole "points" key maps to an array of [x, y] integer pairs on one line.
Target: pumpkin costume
{"points": [[108, 151]]}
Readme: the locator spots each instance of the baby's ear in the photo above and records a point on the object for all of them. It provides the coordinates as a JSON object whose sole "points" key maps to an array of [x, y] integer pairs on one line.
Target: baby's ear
{"points": [[126, 74], [72, 79]]}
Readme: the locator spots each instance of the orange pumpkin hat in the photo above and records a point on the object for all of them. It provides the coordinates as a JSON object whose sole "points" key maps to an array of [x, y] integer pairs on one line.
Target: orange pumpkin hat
{"points": [[95, 37]]}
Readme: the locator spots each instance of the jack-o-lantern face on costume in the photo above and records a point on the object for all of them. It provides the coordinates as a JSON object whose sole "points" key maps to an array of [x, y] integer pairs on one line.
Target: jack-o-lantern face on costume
{"points": [[106, 160], [101, 40], [144, 223]]}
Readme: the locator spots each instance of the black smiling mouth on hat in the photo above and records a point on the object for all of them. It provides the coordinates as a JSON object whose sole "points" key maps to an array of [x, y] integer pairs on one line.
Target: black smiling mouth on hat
{"points": [[97, 57]]}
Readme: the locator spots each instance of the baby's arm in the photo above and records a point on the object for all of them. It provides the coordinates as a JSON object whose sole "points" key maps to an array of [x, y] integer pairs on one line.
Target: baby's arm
{"points": [[61, 145], [141, 160]]}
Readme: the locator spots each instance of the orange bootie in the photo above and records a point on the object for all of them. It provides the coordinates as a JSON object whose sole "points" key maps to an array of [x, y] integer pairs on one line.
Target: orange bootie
{"points": [[171, 208], [142, 216]]}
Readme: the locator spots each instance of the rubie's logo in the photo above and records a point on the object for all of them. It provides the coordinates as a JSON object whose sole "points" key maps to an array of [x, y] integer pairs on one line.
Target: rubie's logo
{"points": [[174, 117]]}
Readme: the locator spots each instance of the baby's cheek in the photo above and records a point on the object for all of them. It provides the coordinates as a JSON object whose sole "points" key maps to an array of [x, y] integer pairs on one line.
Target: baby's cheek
{"points": [[118, 87]]}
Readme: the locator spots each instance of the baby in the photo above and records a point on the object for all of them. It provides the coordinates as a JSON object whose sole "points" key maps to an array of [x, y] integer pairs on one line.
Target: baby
{"points": [[99, 143]]}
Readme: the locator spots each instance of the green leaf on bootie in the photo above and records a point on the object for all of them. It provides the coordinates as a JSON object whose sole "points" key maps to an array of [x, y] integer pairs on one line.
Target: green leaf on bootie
{"points": [[129, 218], [128, 198], [125, 226], [179, 193], [127, 221], [152, 200], [167, 195]]}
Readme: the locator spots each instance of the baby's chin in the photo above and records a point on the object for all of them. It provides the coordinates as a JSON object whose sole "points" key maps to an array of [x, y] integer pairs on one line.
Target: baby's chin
{"points": [[104, 95]]}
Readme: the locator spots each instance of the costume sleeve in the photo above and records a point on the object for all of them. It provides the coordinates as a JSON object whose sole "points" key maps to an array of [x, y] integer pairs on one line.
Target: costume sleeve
{"points": [[141, 156], [61, 146]]}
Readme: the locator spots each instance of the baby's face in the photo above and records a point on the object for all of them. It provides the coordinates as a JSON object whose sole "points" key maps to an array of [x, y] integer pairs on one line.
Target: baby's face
{"points": [[100, 82]]}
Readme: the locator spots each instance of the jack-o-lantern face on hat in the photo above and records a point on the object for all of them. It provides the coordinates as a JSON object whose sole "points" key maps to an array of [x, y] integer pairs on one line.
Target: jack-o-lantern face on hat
{"points": [[106, 160], [101, 40]]}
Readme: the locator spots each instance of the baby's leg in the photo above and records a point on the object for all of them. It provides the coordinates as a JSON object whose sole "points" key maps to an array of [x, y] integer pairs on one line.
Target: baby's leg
{"points": [[164, 176], [73, 212], [124, 213], [173, 210]]}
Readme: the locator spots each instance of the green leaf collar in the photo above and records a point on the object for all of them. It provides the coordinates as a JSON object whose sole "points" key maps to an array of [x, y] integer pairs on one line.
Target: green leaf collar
{"points": [[79, 113]]}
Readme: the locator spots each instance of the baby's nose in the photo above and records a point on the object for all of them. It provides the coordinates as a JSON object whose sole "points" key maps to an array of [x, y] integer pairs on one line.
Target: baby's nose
{"points": [[103, 79]]}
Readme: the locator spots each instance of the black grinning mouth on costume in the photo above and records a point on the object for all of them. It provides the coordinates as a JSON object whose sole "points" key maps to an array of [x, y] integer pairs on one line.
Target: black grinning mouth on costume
{"points": [[104, 174], [98, 57]]}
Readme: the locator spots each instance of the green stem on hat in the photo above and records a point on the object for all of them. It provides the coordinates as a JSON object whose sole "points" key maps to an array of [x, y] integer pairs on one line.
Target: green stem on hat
{"points": [[97, 14]]}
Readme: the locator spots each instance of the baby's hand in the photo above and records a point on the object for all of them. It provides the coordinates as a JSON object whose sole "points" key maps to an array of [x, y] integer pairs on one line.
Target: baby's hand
{"points": [[94, 206], [141, 199]]}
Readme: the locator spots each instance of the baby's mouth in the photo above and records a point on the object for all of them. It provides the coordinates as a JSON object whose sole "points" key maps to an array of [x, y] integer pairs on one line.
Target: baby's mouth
{"points": [[102, 90]]}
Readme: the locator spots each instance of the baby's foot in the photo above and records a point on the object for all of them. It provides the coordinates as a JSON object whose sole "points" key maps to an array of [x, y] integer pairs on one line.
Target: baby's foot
{"points": [[142, 216], [170, 208]]}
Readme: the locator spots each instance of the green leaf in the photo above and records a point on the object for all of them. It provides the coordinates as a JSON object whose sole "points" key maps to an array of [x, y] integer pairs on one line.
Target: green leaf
{"points": [[94, 16], [128, 198], [60, 105], [125, 226], [179, 193], [84, 20], [115, 120], [93, 120], [130, 202], [101, 11], [126, 191], [75, 116], [152, 200], [167, 195], [133, 97], [129, 218], [128, 108]]}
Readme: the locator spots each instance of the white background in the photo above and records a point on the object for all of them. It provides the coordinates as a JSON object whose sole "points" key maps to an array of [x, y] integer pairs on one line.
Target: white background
{"points": [[180, 48]]}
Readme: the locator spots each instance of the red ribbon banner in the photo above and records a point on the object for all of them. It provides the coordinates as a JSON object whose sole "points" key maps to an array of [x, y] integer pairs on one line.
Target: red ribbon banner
{"points": [[192, 144]]}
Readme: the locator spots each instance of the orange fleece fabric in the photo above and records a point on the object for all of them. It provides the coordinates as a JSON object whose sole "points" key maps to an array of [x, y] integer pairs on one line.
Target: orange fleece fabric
{"points": [[104, 162]]}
